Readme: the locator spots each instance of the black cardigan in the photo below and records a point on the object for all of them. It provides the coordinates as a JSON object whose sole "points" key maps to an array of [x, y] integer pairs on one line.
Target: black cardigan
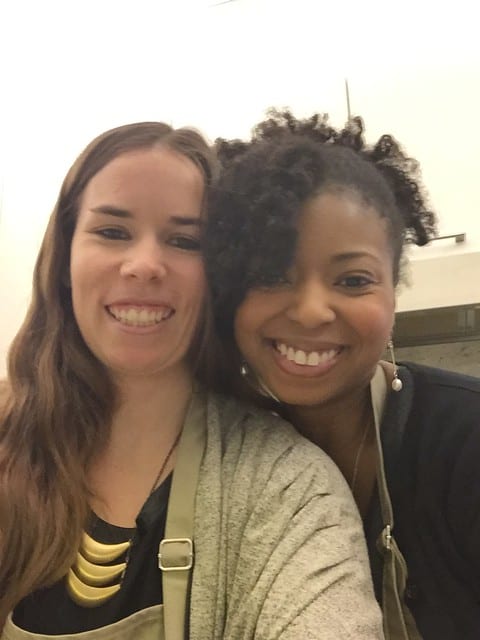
{"points": [[431, 440]]}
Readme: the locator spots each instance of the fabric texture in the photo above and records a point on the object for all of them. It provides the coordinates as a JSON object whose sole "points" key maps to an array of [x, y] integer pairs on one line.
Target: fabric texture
{"points": [[431, 441], [142, 625], [280, 547]]}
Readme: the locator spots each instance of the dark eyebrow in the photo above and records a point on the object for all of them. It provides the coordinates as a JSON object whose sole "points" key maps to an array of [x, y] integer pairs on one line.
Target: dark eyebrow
{"points": [[186, 221], [110, 210], [351, 255]]}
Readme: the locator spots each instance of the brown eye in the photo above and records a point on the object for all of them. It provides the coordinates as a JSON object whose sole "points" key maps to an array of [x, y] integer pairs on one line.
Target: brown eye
{"points": [[188, 243], [355, 281], [113, 233]]}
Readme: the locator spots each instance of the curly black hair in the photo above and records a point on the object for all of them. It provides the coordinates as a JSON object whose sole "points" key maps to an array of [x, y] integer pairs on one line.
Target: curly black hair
{"points": [[251, 230]]}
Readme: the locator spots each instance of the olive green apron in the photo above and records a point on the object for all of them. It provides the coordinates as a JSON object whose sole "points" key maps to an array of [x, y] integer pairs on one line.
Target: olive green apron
{"points": [[167, 621], [398, 622]]}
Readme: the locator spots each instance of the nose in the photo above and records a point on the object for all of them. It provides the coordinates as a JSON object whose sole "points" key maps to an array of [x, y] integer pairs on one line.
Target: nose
{"points": [[144, 261], [311, 305]]}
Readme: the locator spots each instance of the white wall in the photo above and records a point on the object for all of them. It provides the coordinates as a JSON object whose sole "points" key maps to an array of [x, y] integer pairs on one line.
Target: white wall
{"points": [[441, 281], [70, 70]]}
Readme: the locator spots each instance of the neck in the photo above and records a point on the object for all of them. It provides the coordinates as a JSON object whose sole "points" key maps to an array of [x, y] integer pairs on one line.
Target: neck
{"points": [[150, 408], [345, 431], [334, 425], [148, 419]]}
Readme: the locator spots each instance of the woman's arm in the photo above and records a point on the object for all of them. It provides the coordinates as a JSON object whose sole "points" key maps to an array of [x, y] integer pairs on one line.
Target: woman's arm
{"points": [[315, 579], [283, 539]]}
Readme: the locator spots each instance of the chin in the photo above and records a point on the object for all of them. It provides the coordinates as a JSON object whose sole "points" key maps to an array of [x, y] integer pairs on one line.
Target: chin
{"points": [[300, 396], [298, 400], [132, 367]]}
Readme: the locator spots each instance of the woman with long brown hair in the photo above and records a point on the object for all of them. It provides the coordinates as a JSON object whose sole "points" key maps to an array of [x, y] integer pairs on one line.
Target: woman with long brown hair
{"points": [[134, 501]]}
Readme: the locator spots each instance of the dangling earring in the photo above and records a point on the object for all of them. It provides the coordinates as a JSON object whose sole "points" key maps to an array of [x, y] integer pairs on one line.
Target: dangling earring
{"points": [[397, 384], [255, 382]]}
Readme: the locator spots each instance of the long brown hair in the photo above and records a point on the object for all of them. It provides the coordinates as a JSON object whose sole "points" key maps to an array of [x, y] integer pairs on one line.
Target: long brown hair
{"points": [[57, 405]]}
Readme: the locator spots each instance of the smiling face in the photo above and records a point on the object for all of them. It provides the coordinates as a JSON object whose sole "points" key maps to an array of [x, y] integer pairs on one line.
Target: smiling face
{"points": [[316, 338], [136, 271]]}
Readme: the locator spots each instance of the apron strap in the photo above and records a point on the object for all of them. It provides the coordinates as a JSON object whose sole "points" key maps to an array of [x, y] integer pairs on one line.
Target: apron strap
{"points": [[176, 552], [398, 621]]}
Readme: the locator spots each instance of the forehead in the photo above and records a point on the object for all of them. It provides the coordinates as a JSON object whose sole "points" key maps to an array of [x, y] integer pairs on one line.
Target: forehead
{"points": [[342, 221], [140, 177]]}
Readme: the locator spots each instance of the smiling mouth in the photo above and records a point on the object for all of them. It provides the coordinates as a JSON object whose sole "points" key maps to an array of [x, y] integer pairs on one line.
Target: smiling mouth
{"points": [[306, 358], [140, 316]]}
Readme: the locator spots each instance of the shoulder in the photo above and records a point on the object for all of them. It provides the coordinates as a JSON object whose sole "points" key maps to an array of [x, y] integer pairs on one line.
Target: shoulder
{"points": [[441, 379], [272, 446], [441, 407], [443, 396], [440, 454], [269, 494], [236, 416], [431, 429], [445, 406], [440, 433]]}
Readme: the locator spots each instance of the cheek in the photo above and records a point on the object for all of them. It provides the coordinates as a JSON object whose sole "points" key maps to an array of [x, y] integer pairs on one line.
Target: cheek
{"points": [[84, 278], [85, 265], [376, 319]]}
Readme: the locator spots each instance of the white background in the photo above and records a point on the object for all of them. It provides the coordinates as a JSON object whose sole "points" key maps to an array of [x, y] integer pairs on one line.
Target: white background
{"points": [[72, 69]]}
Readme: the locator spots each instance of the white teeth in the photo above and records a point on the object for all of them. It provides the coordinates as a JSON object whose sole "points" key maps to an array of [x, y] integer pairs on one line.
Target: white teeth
{"points": [[140, 317], [313, 359], [300, 357], [133, 317], [310, 359]]}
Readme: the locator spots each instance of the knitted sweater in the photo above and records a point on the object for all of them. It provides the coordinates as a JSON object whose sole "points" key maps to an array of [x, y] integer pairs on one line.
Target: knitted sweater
{"points": [[280, 547]]}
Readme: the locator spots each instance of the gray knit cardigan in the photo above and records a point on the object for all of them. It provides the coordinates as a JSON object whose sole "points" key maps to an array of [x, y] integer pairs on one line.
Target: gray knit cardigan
{"points": [[280, 545]]}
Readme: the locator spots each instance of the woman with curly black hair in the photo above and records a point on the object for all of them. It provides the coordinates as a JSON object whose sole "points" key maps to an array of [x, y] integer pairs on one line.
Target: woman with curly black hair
{"points": [[304, 248]]}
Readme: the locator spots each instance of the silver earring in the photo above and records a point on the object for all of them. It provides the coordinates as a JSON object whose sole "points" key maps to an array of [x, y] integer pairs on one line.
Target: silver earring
{"points": [[255, 382], [397, 384]]}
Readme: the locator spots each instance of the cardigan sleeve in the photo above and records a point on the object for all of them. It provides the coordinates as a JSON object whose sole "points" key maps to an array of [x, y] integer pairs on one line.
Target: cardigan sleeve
{"points": [[313, 578], [280, 545]]}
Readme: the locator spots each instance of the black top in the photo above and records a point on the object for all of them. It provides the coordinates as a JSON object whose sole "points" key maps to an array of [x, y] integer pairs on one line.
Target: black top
{"points": [[431, 440], [51, 611]]}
